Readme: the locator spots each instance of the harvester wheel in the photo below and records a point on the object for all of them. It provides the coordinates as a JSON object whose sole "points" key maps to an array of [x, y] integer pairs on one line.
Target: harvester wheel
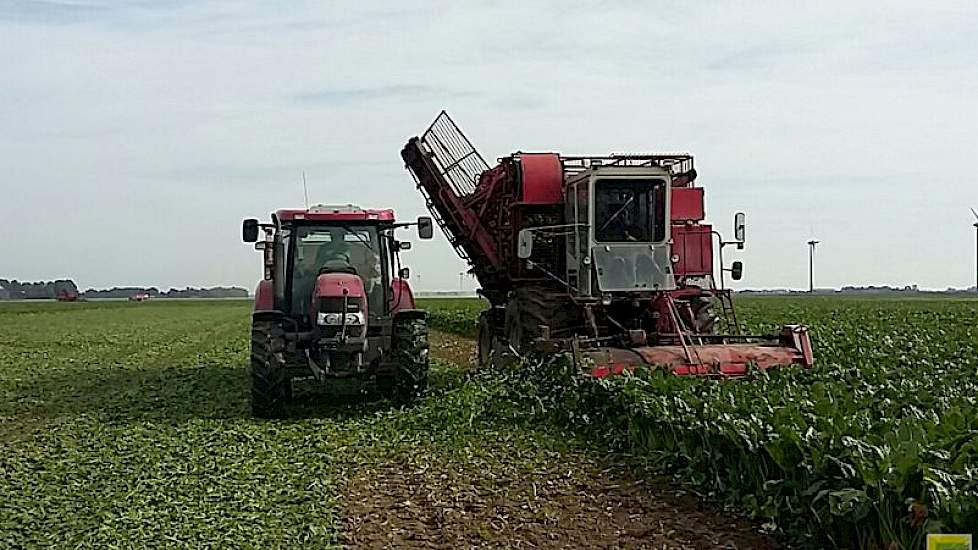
{"points": [[531, 307], [485, 341], [270, 385], [704, 318], [409, 350]]}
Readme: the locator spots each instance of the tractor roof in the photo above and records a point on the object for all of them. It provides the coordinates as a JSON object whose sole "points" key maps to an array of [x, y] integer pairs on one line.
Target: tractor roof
{"points": [[336, 212]]}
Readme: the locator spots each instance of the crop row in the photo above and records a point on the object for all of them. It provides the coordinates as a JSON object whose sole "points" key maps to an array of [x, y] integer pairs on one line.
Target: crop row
{"points": [[875, 447]]}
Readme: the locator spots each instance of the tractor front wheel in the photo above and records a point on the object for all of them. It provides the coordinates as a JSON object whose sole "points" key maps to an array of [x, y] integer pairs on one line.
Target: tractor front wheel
{"points": [[409, 351], [270, 385]]}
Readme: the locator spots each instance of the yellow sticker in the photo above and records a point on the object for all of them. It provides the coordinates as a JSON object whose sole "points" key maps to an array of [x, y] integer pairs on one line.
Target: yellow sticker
{"points": [[948, 542]]}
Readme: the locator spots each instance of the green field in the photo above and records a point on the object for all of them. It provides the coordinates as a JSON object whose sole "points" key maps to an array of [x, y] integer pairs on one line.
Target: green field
{"points": [[877, 445], [128, 425]]}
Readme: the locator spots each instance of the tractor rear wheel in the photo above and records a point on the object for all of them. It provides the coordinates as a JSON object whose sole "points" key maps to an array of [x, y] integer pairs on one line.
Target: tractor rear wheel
{"points": [[271, 387], [409, 351]]}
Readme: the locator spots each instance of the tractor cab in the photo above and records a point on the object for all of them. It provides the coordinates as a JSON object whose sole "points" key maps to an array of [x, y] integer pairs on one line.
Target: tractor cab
{"points": [[333, 293]]}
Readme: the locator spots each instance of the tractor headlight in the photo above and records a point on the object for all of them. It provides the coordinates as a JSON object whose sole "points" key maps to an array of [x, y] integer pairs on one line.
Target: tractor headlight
{"points": [[336, 319]]}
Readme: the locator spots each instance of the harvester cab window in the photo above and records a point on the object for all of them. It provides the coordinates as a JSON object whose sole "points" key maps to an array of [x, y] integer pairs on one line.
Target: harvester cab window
{"points": [[333, 248], [629, 210]]}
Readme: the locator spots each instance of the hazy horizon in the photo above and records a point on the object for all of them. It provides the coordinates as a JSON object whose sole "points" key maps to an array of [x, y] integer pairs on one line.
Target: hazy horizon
{"points": [[138, 134]]}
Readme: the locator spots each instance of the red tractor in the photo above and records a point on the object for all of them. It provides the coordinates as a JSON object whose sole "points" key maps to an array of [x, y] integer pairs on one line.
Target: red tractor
{"points": [[334, 303], [605, 257]]}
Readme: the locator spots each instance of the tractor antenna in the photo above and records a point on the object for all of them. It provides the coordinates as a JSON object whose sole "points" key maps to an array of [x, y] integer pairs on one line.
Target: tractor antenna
{"points": [[305, 190]]}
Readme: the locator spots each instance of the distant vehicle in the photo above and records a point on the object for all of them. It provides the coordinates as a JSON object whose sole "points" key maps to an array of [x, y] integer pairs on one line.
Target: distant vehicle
{"points": [[67, 296], [66, 291], [140, 297]]}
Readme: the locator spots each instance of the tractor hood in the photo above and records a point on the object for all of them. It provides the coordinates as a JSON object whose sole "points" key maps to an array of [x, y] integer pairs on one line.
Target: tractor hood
{"points": [[337, 285]]}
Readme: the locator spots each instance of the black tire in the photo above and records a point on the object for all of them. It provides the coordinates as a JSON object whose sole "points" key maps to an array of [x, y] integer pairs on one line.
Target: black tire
{"points": [[409, 352], [485, 342], [530, 307], [704, 318], [271, 388]]}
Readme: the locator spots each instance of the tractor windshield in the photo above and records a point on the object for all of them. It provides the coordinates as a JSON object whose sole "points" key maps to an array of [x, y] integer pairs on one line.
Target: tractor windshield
{"points": [[629, 210], [336, 248]]}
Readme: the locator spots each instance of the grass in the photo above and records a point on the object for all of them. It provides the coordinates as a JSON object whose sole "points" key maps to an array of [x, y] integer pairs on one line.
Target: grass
{"points": [[127, 425]]}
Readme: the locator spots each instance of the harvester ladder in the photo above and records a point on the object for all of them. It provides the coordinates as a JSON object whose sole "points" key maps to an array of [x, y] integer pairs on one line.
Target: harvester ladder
{"points": [[731, 324]]}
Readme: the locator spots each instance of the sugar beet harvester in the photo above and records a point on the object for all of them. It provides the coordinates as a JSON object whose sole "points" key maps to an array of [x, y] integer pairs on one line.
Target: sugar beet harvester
{"points": [[607, 258]]}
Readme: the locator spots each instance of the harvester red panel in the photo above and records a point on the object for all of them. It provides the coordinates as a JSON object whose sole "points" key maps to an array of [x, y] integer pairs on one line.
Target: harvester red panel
{"points": [[543, 178], [687, 204], [693, 244]]}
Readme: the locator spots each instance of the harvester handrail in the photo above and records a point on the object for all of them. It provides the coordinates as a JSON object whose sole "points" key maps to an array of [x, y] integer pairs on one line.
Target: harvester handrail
{"points": [[676, 163]]}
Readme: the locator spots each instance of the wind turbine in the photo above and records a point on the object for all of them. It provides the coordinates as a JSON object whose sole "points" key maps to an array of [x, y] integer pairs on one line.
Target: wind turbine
{"points": [[976, 248], [811, 265]]}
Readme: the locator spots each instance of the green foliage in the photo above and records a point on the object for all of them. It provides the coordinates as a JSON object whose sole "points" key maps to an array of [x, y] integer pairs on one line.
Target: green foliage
{"points": [[877, 445], [128, 426], [455, 315]]}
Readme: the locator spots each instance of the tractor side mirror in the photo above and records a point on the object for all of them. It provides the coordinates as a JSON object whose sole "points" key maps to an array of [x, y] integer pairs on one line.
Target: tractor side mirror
{"points": [[740, 227], [404, 273], [404, 245], [524, 248], [425, 228], [249, 230], [737, 270]]}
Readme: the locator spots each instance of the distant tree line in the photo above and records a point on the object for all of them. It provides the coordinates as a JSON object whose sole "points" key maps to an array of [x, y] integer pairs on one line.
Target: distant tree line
{"points": [[15, 290]]}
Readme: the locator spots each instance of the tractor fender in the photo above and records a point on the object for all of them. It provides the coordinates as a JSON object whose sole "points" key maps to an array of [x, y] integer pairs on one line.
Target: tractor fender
{"points": [[272, 315], [410, 314], [264, 296], [402, 298]]}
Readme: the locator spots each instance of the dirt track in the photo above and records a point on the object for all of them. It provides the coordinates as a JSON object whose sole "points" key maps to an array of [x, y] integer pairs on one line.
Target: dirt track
{"points": [[570, 501]]}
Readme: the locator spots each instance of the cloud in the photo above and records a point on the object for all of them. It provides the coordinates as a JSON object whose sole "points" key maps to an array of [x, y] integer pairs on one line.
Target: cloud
{"points": [[48, 11], [394, 91]]}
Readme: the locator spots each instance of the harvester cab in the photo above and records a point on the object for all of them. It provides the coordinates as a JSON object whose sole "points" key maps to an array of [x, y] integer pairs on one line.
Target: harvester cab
{"points": [[606, 257], [334, 302]]}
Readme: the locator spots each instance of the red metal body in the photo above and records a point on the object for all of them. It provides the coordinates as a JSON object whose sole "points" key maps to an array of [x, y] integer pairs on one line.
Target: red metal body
{"points": [[67, 296], [402, 296], [693, 245], [541, 178], [687, 205], [265, 296], [335, 214]]}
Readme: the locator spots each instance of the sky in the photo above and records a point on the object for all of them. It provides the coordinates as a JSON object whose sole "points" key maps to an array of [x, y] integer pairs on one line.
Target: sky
{"points": [[136, 135]]}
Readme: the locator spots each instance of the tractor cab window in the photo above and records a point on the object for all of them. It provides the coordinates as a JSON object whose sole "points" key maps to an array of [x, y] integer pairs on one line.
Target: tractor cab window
{"points": [[629, 210], [337, 249]]}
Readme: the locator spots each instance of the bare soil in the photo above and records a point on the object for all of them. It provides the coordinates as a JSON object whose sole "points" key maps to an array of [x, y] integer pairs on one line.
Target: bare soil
{"points": [[571, 501]]}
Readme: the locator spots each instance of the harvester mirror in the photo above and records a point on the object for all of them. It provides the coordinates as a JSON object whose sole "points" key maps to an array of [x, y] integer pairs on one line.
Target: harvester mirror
{"points": [[425, 228], [740, 226], [249, 230], [404, 273], [736, 270], [524, 248]]}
